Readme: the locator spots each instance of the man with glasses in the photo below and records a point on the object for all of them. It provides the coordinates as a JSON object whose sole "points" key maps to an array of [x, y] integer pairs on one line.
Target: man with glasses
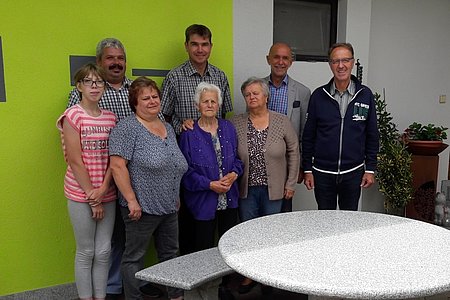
{"points": [[287, 96], [340, 139], [111, 56]]}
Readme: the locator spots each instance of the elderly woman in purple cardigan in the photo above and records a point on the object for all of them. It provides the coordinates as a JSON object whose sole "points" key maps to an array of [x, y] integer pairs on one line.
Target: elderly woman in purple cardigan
{"points": [[209, 186]]}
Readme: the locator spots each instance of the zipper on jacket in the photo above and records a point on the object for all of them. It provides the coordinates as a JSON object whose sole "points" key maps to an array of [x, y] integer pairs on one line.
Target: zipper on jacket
{"points": [[342, 126]]}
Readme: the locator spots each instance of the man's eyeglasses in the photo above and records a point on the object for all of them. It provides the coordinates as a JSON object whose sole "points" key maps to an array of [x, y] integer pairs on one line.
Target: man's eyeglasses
{"points": [[342, 60], [90, 82]]}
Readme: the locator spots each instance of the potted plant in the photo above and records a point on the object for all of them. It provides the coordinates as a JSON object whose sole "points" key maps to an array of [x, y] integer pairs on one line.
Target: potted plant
{"points": [[425, 139], [430, 132], [394, 174]]}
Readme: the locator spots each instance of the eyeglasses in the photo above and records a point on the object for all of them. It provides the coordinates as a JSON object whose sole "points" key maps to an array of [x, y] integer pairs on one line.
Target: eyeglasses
{"points": [[342, 60], [90, 82]]}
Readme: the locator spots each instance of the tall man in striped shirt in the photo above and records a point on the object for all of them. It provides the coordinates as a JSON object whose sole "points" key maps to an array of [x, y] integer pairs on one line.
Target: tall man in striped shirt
{"points": [[287, 96], [179, 108]]}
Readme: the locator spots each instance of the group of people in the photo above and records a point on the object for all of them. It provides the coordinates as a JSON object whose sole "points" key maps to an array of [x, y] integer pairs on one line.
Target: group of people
{"points": [[181, 171]]}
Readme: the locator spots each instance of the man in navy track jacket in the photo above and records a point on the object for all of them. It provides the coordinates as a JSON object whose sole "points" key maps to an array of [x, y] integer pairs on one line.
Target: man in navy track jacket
{"points": [[340, 140]]}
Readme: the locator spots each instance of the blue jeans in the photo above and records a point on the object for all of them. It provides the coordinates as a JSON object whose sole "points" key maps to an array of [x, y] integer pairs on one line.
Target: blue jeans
{"points": [[257, 204], [117, 246], [138, 236], [343, 189]]}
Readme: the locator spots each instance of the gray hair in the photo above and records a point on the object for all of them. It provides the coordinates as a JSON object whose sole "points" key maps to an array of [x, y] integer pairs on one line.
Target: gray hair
{"points": [[207, 87], [261, 81], [108, 43]]}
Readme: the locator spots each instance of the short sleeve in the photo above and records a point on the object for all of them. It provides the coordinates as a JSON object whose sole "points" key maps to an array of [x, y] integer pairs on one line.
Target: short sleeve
{"points": [[72, 114], [122, 139]]}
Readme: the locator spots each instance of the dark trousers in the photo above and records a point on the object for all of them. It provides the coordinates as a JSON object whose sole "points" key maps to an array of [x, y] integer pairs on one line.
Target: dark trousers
{"points": [[342, 189], [205, 230], [138, 235], [186, 226], [287, 205]]}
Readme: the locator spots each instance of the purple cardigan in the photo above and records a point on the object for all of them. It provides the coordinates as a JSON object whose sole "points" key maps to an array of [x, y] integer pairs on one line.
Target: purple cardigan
{"points": [[198, 149]]}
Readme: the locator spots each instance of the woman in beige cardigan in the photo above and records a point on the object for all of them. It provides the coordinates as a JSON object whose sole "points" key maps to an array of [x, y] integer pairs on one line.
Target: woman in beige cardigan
{"points": [[268, 146]]}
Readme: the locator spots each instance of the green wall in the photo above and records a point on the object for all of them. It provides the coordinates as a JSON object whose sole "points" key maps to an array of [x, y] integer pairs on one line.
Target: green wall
{"points": [[36, 241]]}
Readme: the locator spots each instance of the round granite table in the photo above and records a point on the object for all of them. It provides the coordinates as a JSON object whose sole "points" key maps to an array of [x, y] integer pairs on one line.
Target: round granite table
{"points": [[358, 255]]}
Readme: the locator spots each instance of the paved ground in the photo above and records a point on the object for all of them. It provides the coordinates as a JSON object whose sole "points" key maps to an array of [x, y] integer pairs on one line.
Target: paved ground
{"points": [[253, 295]]}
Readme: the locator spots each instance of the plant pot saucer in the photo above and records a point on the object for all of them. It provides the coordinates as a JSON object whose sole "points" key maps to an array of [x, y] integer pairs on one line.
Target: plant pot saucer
{"points": [[427, 148]]}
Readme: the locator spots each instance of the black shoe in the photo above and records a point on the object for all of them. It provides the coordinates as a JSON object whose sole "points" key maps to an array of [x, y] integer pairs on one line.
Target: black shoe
{"points": [[151, 291], [225, 294], [113, 296], [266, 289], [244, 289]]}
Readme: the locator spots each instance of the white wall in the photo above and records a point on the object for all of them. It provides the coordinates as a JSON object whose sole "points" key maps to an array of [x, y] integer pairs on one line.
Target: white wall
{"points": [[403, 46], [410, 58]]}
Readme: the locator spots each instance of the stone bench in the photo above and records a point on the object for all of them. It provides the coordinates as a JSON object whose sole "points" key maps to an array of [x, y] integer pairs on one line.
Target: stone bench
{"points": [[199, 273]]}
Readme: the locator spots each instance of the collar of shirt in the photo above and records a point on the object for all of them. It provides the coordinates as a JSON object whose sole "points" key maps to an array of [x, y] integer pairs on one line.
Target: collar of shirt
{"points": [[350, 89], [283, 82], [191, 70], [125, 84]]}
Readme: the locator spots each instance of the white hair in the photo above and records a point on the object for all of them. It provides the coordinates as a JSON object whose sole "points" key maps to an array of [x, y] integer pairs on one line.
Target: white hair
{"points": [[207, 87]]}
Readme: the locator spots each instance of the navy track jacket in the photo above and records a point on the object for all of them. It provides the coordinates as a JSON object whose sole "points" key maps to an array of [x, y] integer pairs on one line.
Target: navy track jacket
{"points": [[334, 145]]}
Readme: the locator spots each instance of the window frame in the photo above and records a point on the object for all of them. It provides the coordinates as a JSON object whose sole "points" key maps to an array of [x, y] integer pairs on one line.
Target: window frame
{"points": [[333, 30]]}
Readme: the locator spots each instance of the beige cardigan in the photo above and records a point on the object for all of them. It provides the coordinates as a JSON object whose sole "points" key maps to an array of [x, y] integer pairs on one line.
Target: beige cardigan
{"points": [[281, 154]]}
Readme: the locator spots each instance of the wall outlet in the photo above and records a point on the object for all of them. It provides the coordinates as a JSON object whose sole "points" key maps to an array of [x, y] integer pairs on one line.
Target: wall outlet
{"points": [[442, 98]]}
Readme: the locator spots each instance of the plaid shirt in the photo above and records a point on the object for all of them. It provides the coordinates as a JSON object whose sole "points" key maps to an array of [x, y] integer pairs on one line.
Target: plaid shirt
{"points": [[178, 91], [112, 99], [279, 97]]}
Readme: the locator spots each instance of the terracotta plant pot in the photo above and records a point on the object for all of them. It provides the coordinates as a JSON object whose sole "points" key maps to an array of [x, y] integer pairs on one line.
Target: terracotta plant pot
{"points": [[427, 148]]}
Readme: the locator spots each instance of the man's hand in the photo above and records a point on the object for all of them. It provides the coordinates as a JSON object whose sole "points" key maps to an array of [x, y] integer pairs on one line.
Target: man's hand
{"points": [[188, 124], [309, 181], [367, 180]]}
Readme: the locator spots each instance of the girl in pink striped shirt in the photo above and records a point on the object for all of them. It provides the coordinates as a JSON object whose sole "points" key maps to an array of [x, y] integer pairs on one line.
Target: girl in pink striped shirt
{"points": [[88, 182]]}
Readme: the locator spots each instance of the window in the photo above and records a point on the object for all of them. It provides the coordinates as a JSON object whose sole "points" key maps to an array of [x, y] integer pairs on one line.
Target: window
{"points": [[308, 26]]}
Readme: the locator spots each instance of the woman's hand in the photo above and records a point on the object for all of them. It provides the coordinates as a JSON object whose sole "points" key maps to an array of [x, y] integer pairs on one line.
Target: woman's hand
{"points": [[135, 210], [288, 194], [229, 178], [98, 213], [219, 187], [95, 196]]}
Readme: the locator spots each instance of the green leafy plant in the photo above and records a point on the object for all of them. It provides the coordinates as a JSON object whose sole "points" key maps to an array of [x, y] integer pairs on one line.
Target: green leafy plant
{"points": [[394, 174], [430, 132]]}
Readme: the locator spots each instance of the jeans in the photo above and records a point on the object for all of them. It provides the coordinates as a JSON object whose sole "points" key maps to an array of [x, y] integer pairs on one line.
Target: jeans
{"points": [[257, 204], [138, 235], [117, 246], [342, 189]]}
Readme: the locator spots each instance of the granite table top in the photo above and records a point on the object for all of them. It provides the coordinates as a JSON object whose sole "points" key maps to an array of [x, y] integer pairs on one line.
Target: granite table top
{"points": [[346, 254]]}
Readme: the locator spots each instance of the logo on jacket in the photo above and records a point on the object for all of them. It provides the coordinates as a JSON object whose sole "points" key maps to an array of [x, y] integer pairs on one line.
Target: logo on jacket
{"points": [[360, 111]]}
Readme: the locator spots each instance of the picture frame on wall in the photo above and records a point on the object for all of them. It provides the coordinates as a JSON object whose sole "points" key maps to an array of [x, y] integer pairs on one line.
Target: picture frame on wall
{"points": [[445, 188]]}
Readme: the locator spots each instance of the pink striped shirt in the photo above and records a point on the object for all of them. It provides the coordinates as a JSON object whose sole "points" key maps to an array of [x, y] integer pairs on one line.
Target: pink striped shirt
{"points": [[94, 137]]}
